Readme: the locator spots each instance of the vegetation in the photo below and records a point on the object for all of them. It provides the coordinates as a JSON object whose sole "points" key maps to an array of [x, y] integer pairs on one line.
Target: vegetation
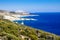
{"points": [[13, 31]]}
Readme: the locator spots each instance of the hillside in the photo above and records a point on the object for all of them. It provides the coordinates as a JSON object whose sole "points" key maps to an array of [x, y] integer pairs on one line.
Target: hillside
{"points": [[12, 31]]}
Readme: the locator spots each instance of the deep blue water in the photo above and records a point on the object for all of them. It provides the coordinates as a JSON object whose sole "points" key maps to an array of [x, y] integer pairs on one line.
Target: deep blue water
{"points": [[49, 22]]}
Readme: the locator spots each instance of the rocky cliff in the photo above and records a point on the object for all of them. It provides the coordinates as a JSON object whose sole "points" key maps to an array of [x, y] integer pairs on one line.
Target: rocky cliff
{"points": [[13, 31]]}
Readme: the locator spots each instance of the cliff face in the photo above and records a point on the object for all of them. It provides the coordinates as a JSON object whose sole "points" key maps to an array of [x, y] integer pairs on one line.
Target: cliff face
{"points": [[12, 31]]}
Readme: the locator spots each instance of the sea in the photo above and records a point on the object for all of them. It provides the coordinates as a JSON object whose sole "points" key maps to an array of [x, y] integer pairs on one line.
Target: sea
{"points": [[48, 21]]}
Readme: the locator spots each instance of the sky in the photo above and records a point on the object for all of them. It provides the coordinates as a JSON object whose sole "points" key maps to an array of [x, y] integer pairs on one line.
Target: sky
{"points": [[31, 5]]}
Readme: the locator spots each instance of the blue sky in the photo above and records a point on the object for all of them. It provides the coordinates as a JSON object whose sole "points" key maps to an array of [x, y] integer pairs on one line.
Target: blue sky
{"points": [[31, 5]]}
